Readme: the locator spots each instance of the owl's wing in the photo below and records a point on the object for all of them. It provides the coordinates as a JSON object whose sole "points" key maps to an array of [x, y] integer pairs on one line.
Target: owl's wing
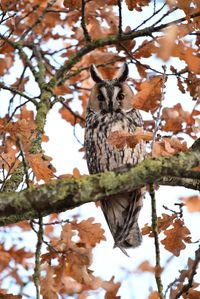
{"points": [[121, 212]]}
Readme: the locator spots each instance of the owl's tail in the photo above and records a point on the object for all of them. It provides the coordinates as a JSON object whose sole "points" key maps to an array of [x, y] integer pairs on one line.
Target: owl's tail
{"points": [[121, 213]]}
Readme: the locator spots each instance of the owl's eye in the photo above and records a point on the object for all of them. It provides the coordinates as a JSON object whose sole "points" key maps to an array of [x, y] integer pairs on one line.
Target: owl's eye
{"points": [[120, 96], [100, 97]]}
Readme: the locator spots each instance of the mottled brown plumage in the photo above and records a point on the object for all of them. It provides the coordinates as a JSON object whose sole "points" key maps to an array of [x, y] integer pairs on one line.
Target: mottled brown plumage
{"points": [[110, 109]]}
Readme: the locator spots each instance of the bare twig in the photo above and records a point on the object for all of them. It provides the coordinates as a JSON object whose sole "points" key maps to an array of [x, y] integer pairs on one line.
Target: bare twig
{"points": [[156, 242], [83, 24], [186, 287], [76, 115], [39, 19], [25, 165], [36, 275], [15, 110], [110, 40], [20, 93], [158, 120], [148, 19], [120, 17]]}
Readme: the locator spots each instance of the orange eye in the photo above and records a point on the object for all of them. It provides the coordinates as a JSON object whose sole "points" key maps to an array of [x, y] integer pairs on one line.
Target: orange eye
{"points": [[100, 97], [120, 96]]}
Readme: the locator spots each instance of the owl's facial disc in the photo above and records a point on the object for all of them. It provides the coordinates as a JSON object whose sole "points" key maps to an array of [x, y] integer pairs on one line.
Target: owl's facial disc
{"points": [[110, 96]]}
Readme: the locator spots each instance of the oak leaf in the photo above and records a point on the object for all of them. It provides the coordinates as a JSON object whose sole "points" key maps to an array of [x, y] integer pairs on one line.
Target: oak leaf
{"points": [[163, 223], [137, 5], [90, 233], [145, 50], [120, 139], [146, 267], [192, 60], [76, 173], [9, 296], [111, 289], [175, 117], [69, 117], [48, 287], [149, 95], [40, 167], [176, 237], [192, 203], [154, 295], [167, 147], [167, 42]]}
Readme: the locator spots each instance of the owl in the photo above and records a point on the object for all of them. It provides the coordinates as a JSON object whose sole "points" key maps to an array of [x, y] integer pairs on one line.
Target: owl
{"points": [[110, 109]]}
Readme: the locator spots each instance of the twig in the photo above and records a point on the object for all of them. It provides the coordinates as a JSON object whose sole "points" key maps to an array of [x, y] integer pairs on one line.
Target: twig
{"points": [[165, 15], [154, 6], [36, 275], [148, 19], [83, 25], [186, 287], [120, 17], [170, 285], [54, 222], [156, 241], [15, 110], [111, 40], [16, 91], [39, 19], [76, 116], [25, 165], [146, 66], [158, 120]]}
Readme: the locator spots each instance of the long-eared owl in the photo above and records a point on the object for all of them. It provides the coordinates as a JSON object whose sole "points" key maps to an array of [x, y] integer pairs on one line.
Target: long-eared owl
{"points": [[110, 109]]}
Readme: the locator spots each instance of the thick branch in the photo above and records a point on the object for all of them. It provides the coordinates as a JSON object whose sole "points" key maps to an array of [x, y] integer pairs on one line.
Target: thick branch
{"points": [[61, 195]]}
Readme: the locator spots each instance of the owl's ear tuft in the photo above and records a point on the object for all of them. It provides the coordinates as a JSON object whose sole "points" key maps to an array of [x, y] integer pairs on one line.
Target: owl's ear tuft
{"points": [[122, 73], [96, 76]]}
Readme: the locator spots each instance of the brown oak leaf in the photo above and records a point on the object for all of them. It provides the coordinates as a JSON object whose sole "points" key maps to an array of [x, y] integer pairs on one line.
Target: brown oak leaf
{"points": [[149, 95], [192, 203], [176, 237], [120, 139], [89, 232]]}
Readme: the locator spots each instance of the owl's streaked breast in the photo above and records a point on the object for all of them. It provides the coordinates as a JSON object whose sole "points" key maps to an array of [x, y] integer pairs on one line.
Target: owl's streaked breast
{"points": [[102, 156]]}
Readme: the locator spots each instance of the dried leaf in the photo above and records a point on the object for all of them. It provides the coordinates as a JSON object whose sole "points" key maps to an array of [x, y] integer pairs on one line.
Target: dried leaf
{"points": [[176, 237], [10, 296], [192, 203], [137, 4], [167, 42], [146, 267], [163, 223], [111, 289], [120, 139], [76, 173], [192, 60], [89, 232], [168, 147], [154, 295], [48, 287], [149, 96], [69, 117], [40, 167]]}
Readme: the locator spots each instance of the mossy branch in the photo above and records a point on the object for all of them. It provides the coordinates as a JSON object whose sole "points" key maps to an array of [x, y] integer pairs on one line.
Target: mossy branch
{"points": [[61, 195]]}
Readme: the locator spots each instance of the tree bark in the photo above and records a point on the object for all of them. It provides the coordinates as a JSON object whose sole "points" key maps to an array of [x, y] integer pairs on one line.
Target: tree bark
{"points": [[61, 195]]}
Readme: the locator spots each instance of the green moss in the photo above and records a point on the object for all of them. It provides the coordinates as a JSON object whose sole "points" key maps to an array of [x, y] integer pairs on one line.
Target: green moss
{"points": [[15, 179]]}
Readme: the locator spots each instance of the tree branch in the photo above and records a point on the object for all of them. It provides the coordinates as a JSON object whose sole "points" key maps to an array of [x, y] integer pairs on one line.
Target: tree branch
{"points": [[111, 40], [156, 241], [83, 24], [61, 195], [187, 286]]}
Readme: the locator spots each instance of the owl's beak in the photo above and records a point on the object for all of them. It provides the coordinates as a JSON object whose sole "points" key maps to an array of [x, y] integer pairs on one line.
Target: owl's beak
{"points": [[110, 106]]}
